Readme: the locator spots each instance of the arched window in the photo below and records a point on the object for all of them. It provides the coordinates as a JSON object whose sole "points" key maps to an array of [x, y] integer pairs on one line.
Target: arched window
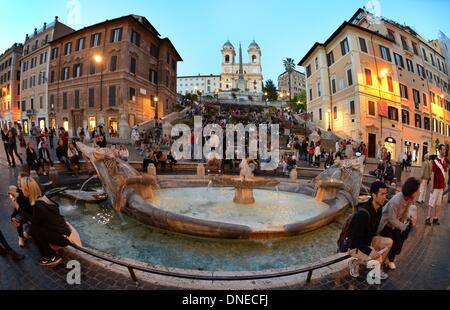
{"points": [[254, 59], [227, 58]]}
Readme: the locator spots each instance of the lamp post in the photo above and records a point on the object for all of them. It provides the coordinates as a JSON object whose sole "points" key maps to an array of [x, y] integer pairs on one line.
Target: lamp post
{"points": [[155, 99], [99, 59], [329, 119]]}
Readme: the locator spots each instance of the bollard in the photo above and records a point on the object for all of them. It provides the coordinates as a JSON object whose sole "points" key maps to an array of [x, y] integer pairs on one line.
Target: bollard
{"points": [[54, 176], [151, 169], [201, 171], [293, 174]]}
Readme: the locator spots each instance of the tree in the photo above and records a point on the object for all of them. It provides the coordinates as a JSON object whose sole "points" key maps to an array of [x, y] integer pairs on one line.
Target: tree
{"points": [[299, 101], [191, 97], [271, 91], [289, 66]]}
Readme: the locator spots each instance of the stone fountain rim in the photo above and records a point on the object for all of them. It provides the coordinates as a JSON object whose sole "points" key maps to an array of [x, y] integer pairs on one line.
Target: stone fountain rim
{"points": [[172, 281], [152, 215]]}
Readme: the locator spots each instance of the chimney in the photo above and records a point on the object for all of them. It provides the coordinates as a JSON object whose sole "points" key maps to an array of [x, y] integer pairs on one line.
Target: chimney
{"points": [[56, 18], [35, 31], [45, 26]]}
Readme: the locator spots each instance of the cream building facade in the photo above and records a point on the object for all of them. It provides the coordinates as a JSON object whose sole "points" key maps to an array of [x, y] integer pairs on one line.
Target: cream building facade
{"points": [[380, 83]]}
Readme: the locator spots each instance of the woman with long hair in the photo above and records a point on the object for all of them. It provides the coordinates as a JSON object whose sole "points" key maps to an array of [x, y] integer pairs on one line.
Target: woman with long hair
{"points": [[48, 225]]}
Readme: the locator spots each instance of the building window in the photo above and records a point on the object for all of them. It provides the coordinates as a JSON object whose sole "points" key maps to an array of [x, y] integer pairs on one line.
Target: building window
{"points": [[390, 83], [399, 60], [116, 35], [391, 34], [136, 38], [310, 94], [404, 43], [410, 65], [92, 67], [403, 91], [23, 106], [77, 70], [132, 94], [416, 96], [432, 59], [426, 123], [424, 54], [368, 75], [352, 107], [91, 100], [420, 71], [227, 58], [154, 50], [320, 114], [335, 112], [344, 47], [418, 120], [68, 48], [253, 59], [153, 76], [112, 96], [76, 100], [333, 85], [316, 61], [385, 53], [424, 97], [80, 44], [349, 77], [441, 127], [133, 65], [113, 63], [52, 102], [65, 73], [393, 113], [363, 45], [32, 103], [52, 76], [435, 129], [64, 101], [319, 90], [405, 117], [41, 103], [95, 39], [54, 53], [330, 58], [308, 71], [415, 50]]}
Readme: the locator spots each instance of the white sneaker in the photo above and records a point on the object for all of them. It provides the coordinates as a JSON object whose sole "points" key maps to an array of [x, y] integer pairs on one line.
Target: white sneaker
{"points": [[22, 242], [353, 267], [390, 265], [383, 275], [26, 235]]}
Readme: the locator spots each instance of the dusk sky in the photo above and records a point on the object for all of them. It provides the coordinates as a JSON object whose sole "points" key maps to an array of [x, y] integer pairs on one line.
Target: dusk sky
{"points": [[198, 28]]}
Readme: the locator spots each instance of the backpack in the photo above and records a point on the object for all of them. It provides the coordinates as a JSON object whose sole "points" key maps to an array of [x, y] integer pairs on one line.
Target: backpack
{"points": [[345, 240]]}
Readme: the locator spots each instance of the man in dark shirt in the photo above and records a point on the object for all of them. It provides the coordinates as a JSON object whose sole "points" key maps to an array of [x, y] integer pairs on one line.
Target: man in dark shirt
{"points": [[365, 245]]}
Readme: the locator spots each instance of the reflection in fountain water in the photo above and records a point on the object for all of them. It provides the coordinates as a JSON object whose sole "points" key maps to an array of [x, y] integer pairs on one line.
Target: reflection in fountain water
{"points": [[135, 240]]}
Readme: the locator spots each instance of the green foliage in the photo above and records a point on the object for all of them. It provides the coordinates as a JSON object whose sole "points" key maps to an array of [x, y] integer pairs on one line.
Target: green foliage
{"points": [[271, 91]]}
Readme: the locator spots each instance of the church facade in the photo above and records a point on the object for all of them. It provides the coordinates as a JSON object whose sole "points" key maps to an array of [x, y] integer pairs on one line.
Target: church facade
{"points": [[245, 77]]}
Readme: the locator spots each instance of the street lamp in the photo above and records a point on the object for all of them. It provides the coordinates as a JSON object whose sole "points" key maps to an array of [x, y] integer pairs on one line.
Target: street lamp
{"points": [[155, 99], [329, 119]]}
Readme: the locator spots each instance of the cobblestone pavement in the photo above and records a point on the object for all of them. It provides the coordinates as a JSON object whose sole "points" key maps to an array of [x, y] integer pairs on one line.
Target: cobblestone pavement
{"points": [[423, 263]]}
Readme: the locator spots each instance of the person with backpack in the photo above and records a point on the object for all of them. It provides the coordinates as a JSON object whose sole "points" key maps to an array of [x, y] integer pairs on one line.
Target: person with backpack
{"points": [[394, 222], [364, 245]]}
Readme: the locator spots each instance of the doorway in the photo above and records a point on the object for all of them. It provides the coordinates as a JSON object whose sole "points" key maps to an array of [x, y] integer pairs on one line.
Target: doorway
{"points": [[372, 145]]}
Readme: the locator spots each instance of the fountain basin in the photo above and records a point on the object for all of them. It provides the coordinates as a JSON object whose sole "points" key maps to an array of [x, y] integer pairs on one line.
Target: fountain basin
{"points": [[182, 217]]}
